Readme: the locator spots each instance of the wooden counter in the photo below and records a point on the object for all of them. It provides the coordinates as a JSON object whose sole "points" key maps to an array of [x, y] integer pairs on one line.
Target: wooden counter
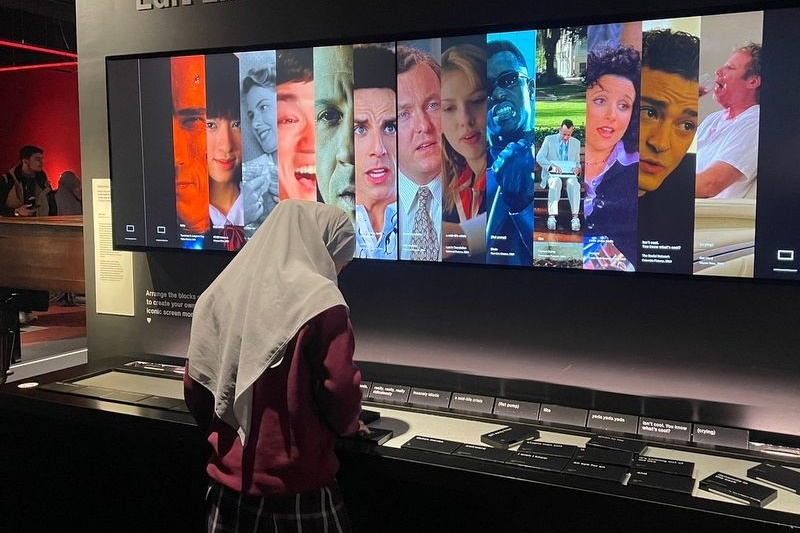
{"points": [[42, 253]]}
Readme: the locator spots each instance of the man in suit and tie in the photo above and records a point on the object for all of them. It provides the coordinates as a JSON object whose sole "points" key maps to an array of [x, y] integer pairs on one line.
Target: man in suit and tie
{"points": [[560, 159], [419, 150]]}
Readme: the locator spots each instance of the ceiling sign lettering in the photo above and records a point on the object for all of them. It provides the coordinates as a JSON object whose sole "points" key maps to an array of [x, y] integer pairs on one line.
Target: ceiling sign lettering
{"points": [[145, 5]]}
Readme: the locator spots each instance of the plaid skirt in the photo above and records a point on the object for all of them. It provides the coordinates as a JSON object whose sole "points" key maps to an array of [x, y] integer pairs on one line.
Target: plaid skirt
{"points": [[317, 511]]}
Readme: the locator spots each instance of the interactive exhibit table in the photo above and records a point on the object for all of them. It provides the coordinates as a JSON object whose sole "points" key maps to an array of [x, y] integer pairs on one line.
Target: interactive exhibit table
{"points": [[112, 442]]}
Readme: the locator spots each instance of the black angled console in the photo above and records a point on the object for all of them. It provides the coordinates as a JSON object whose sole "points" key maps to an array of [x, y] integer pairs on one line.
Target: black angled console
{"points": [[76, 447]]}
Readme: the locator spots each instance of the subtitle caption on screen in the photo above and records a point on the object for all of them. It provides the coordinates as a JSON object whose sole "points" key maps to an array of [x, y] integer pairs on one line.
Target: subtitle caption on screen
{"points": [[658, 257], [168, 303]]}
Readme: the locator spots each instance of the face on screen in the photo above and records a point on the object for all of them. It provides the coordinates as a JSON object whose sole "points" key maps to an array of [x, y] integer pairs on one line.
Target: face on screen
{"points": [[333, 112], [223, 148], [419, 124], [509, 95], [464, 115], [297, 170], [609, 104], [375, 138], [731, 87], [261, 114], [668, 122], [189, 142]]}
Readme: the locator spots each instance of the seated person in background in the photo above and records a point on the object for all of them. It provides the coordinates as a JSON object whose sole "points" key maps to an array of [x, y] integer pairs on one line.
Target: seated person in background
{"points": [[28, 191], [727, 141], [28, 194], [559, 148], [69, 196]]}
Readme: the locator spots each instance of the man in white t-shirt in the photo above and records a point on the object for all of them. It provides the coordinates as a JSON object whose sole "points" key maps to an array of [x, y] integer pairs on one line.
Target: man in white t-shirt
{"points": [[727, 141]]}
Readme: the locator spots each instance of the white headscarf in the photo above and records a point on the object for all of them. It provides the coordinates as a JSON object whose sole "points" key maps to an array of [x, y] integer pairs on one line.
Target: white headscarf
{"points": [[283, 277]]}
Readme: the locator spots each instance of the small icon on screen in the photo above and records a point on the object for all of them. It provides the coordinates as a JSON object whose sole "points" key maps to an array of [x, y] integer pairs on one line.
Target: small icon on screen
{"points": [[161, 230], [130, 228], [785, 255]]}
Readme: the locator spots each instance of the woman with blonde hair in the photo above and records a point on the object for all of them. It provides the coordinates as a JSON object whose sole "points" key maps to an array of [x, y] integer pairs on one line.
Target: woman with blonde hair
{"points": [[464, 153]]}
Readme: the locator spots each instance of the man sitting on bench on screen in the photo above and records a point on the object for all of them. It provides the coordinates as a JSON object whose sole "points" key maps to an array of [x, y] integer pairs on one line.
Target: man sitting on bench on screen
{"points": [[560, 159]]}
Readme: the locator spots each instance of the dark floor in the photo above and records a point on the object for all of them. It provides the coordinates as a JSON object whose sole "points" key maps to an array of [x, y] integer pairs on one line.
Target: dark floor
{"points": [[59, 329]]}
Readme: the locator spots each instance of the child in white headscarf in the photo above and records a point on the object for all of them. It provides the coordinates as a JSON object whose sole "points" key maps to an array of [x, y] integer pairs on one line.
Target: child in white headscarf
{"points": [[270, 375]]}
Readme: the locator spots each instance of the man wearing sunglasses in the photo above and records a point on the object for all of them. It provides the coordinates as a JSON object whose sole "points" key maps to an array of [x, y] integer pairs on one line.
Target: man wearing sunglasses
{"points": [[510, 175]]}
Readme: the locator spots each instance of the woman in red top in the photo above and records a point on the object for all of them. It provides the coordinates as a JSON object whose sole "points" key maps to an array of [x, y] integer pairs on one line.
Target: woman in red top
{"points": [[464, 153], [270, 375]]}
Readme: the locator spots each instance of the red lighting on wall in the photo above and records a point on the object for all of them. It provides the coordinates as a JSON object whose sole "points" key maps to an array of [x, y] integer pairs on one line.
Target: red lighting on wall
{"points": [[40, 65], [23, 46], [44, 114]]}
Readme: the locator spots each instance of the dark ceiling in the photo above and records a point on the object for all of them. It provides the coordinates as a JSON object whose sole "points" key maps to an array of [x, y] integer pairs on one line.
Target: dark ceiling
{"points": [[43, 23]]}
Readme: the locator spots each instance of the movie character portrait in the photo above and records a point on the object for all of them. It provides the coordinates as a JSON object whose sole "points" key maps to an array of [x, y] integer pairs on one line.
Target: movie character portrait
{"points": [[611, 155], [419, 150], [375, 143], [224, 151], [297, 165], [464, 148], [333, 112], [560, 160], [727, 141], [510, 181], [668, 122], [189, 143], [259, 183]]}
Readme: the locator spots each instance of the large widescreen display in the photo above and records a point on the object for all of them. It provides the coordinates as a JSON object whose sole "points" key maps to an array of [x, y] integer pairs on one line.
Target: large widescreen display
{"points": [[634, 146]]}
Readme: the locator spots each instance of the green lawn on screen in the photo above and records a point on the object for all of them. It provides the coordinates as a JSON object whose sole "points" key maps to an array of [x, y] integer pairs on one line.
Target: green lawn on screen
{"points": [[550, 114]]}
